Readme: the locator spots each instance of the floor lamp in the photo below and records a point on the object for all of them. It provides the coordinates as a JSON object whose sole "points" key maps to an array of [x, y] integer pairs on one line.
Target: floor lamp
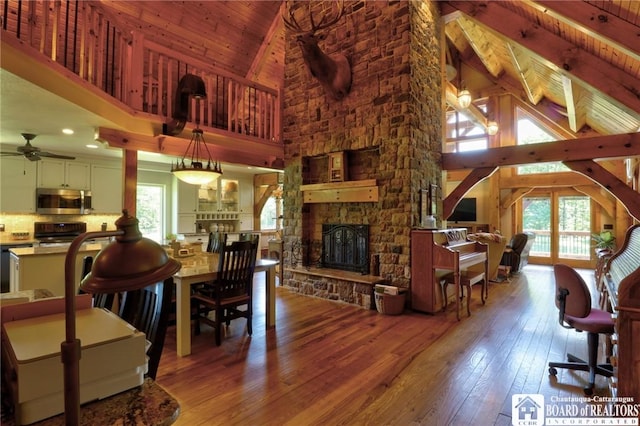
{"points": [[129, 263]]}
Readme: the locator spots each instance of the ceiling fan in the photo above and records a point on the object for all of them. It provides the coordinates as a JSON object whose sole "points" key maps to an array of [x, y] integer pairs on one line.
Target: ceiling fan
{"points": [[33, 153]]}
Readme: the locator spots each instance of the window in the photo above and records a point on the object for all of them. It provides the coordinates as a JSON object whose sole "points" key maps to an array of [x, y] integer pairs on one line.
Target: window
{"points": [[529, 132], [271, 212], [150, 211], [464, 133]]}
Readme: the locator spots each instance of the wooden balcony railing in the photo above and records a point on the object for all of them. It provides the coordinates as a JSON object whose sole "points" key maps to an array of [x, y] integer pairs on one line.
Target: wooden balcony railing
{"points": [[139, 73]]}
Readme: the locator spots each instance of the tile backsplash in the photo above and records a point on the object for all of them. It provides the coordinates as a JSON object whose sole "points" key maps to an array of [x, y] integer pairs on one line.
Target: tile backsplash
{"points": [[24, 222]]}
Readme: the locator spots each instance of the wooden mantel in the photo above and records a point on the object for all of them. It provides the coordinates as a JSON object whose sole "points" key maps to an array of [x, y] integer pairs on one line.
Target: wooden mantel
{"points": [[341, 192]]}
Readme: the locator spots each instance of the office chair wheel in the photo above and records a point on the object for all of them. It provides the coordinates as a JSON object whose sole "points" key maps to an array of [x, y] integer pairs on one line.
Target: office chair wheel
{"points": [[553, 371]]}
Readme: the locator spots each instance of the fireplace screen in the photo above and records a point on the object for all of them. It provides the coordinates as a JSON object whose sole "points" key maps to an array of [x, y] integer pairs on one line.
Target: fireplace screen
{"points": [[346, 247]]}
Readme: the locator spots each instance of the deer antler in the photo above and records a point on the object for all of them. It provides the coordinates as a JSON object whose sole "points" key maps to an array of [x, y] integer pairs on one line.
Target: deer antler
{"points": [[325, 22]]}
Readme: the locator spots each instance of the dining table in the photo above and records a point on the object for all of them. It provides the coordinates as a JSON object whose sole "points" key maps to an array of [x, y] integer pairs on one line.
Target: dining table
{"points": [[203, 267]]}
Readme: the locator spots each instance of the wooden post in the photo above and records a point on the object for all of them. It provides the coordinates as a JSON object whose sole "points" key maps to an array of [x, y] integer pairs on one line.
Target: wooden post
{"points": [[130, 180]]}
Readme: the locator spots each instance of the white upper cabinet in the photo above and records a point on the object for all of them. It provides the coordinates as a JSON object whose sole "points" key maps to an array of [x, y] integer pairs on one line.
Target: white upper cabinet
{"points": [[72, 174], [106, 189], [17, 185]]}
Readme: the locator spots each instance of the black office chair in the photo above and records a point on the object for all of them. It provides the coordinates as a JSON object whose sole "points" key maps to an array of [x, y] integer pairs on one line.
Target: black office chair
{"points": [[232, 289], [573, 300]]}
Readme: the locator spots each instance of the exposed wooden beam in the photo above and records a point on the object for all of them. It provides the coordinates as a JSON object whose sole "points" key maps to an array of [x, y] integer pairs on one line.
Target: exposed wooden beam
{"points": [[625, 145], [627, 196], [572, 94], [596, 194], [474, 113], [512, 197], [546, 180], [480, 45], [452, 200], [594, 22], [527, 78], [236, 150], [564, 57]]}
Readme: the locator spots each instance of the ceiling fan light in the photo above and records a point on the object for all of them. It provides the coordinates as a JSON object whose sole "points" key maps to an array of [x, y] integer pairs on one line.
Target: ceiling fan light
{"points": [[464, 98]]}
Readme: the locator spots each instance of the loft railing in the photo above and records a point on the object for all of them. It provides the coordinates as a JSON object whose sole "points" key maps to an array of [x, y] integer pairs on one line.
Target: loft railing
{"points": [[141, 74]]}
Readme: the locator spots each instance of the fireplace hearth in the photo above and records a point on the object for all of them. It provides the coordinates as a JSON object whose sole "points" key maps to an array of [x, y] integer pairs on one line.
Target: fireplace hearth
{"points": [[345, 247]]}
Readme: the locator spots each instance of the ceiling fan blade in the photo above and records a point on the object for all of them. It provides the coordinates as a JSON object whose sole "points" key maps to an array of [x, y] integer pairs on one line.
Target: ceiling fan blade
{"points": [[52, 155], [10, 154]]}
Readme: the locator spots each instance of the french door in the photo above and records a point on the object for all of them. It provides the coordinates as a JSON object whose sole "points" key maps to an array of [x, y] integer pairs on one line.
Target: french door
{"points": [[561, 221]]}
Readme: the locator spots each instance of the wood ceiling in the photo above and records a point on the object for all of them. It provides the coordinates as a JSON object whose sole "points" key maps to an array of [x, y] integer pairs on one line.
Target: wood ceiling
{"points": [[576, 62]]}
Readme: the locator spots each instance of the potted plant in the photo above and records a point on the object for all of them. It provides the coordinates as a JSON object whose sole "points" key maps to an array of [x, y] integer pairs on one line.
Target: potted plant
{"points": [[604, 240]]}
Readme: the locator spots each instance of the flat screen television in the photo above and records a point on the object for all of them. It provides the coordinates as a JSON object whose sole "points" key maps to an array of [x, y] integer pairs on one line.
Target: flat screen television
{"points": [[465, 211]]}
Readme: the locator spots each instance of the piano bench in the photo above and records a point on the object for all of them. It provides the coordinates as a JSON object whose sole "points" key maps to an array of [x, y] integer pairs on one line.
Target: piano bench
{"points": [[467, 279]]}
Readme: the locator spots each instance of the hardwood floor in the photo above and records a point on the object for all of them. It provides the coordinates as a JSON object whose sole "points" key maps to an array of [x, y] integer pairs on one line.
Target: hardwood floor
{"points": [[326, 363]]}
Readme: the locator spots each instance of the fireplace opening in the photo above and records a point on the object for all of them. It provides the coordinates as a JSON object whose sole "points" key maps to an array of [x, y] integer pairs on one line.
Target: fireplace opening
{"points": [[345, 247]]}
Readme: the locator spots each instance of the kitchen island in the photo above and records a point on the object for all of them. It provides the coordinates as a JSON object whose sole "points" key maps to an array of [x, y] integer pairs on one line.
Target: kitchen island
{"points": [[43, 267]]}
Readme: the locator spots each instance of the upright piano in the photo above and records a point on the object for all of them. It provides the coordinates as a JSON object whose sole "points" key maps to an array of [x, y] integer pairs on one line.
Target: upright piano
{"points": [[622, 283], [436, 253]]}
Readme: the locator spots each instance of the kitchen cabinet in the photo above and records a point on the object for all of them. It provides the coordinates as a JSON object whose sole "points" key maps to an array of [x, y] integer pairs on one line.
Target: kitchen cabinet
{"points": [[222, 202], [17, 185], [106, 189], [32, 268], [64, 174], [186, 223], [187, 197]]}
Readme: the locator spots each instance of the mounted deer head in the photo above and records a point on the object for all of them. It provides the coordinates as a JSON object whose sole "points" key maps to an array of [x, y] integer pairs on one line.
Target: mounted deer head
{"points": [[332, 71]]}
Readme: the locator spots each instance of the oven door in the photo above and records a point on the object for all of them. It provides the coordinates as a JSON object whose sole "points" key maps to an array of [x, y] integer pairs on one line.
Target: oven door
{"points": [[59, 201]]}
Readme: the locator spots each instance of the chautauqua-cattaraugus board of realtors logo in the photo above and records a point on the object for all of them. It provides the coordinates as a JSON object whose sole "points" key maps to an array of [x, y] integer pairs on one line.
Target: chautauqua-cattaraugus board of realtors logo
{"points": [[534, 410]]}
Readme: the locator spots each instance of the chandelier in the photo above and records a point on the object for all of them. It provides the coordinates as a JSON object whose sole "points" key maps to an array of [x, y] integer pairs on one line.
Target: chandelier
{"points": [[196, 173]]}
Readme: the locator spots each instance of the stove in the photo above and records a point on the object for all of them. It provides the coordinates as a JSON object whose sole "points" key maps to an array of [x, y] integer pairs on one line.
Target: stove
{"points": [[57, 233]]}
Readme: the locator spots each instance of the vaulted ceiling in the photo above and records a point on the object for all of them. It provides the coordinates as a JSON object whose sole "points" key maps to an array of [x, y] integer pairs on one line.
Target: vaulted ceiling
{"points": [[576, 62]]}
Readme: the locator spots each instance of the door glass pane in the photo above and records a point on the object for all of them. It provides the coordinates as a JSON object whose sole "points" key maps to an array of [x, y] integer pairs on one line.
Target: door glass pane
{"points": [[574, 227], [149, 211], [536, 218]]}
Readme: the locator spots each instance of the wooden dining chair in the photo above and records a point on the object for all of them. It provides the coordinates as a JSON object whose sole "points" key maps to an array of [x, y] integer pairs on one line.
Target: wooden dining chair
{"points": [[225, 297], [99, 300], [148, 311]]}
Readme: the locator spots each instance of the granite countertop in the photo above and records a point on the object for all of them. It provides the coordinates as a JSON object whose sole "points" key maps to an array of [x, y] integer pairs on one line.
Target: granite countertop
{"points": [[47, 250], [148, 404]]}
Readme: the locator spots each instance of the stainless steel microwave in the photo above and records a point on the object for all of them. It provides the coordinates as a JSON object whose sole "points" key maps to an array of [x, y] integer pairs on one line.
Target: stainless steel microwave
{"points": [[63, 201]]}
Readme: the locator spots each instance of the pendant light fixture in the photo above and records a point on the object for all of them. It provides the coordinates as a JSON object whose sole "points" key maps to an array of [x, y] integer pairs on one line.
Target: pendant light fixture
{"points": [[464, 96], [196, 173], [492, 127]]}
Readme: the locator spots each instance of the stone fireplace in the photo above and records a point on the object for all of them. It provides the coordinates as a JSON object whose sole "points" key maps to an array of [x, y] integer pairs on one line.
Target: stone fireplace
{"points": [[389, 127]]}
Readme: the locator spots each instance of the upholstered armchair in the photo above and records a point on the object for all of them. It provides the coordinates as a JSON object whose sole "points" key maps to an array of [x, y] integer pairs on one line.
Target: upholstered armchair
{"points": [[518, 257], [496, 244]]}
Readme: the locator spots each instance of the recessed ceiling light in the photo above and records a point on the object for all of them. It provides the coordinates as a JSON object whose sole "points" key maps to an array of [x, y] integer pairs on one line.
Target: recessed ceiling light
{"points": [[67, 131], [91, 145]]}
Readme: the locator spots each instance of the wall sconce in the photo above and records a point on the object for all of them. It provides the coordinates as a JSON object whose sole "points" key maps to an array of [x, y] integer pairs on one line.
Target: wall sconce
{"points": [[492, 127], [464, 98]]}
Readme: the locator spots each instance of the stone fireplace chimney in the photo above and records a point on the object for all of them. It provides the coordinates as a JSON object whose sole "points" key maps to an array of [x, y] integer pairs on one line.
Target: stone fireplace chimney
{"points": [[389, 127]]}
